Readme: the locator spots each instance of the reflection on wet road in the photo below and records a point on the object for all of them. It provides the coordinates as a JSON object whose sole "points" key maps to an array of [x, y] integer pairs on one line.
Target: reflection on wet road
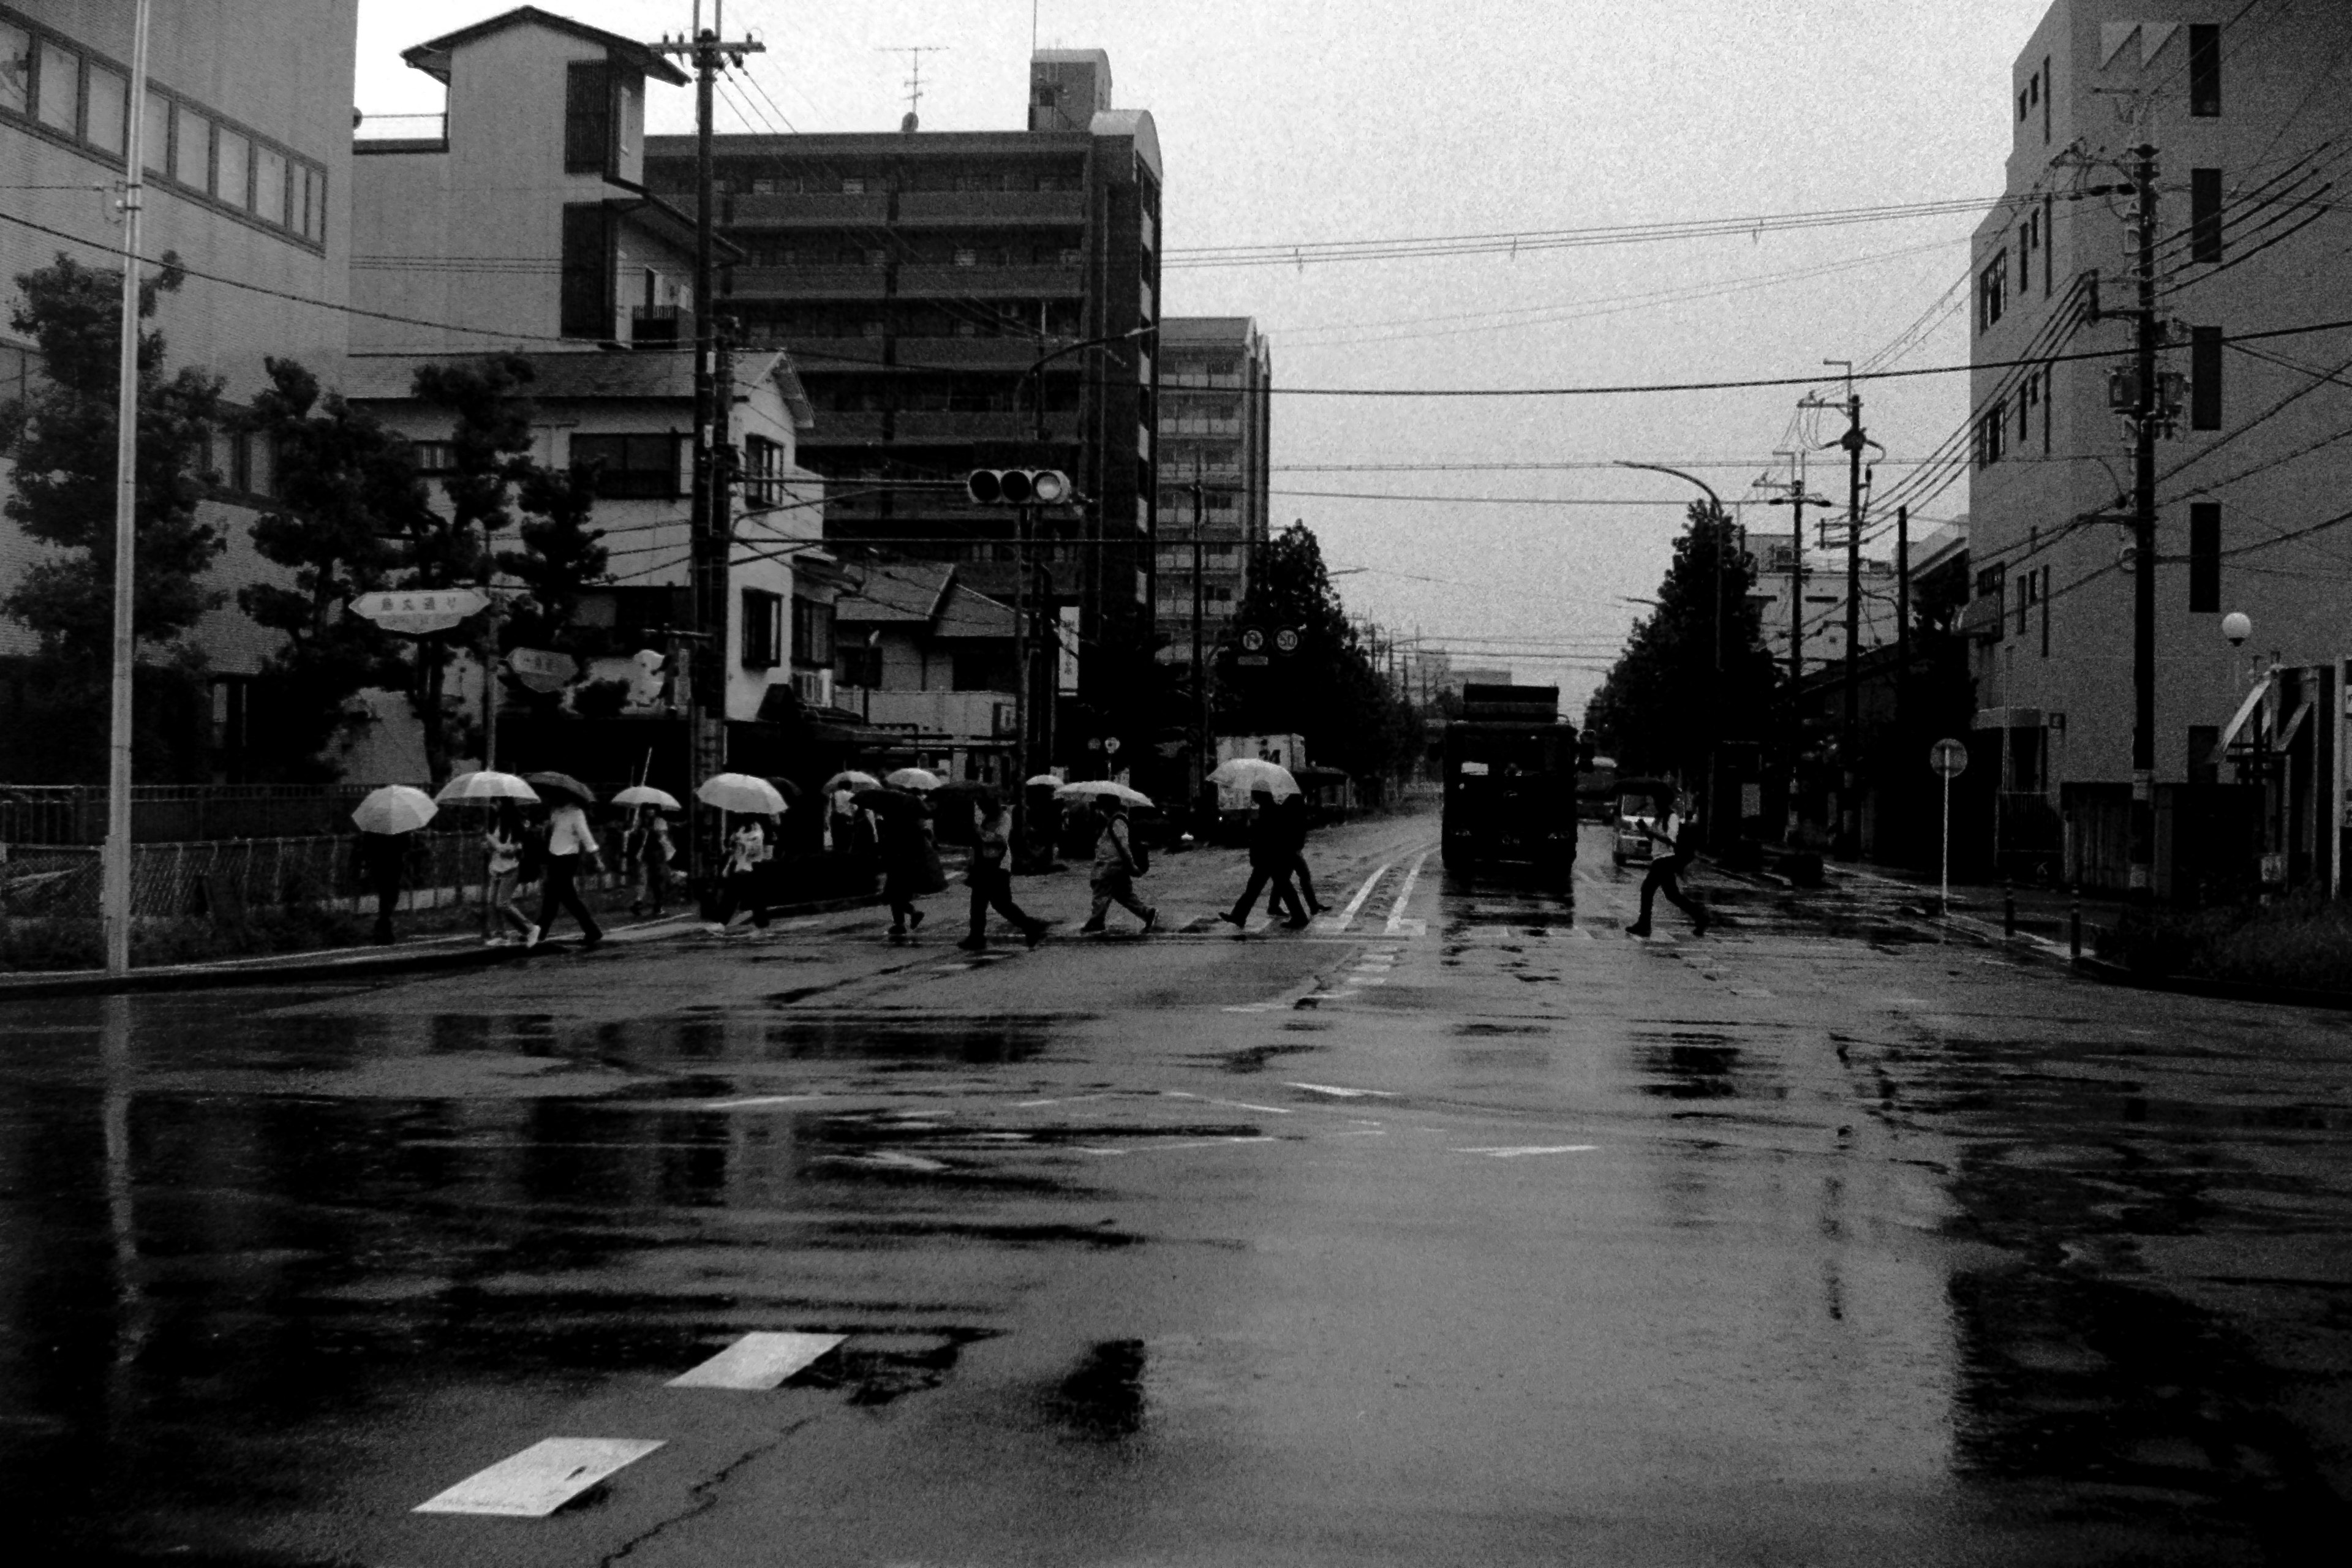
{"points": [[1465, 1228]]}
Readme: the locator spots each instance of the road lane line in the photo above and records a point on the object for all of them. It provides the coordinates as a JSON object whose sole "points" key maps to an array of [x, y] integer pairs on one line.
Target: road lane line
{"points": [[541, 1478], [1346, 917], [1230, 1104], [1514, 1152], [759, 1101], [1342, 1093], [1404, 895], [758, 1361]]}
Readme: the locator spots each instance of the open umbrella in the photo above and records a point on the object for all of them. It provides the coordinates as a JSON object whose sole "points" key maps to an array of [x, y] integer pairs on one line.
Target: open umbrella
{"points": [[785, 787], [1254, 773], [1091, 789], [484, 785], [913, 778], [890, 802], [645, 795], [561, 783], [1044, 780], [741, 792], [394, 808], [850, 778]]}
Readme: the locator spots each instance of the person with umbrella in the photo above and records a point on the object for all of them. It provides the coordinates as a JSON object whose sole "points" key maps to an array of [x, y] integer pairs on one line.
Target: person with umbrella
{"points": [[649, 846], [991, 877], [738, 894], [910, 862], [387, 820], [571, 846], [1293, 813], [1271, 854], [502, 857], [1117, 864]]}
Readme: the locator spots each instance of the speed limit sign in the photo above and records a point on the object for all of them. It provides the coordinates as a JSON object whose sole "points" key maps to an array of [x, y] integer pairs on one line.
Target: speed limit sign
{"points": [[1286, 640]]}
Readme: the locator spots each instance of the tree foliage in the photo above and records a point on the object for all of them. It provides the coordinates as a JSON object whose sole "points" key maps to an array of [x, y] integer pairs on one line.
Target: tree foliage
{"points": [[347, 491], [60, 438], [1686, 677], [1327, 690]]}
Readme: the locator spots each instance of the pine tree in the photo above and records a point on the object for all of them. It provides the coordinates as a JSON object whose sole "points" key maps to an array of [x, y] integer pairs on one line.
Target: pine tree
{"points": [[60, 438]]}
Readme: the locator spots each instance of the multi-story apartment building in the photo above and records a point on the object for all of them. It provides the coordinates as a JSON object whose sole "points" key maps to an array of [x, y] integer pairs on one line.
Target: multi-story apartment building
{"points": [[246, 133], [926, 283], [539, 157], [2243, 112], [1215, 419]]}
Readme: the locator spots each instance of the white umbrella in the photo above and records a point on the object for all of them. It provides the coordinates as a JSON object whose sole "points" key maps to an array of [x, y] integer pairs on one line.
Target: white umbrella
{"points": [[1254, 773], [741, 791], [645, 795], [1086, 789], [850, 778], [913, 778], [394, 808], [485, 786], [1046, 781]]}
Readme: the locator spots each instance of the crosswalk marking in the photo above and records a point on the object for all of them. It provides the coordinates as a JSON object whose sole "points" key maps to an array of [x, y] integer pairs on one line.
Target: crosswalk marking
{"points": [[1346, 917], [541, 1478], [758, 1361], [1342, 1093], [1397, 922]]}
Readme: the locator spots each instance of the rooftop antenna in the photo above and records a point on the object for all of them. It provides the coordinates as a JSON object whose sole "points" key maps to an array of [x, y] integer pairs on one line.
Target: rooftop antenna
{"points": [[914, 53]]}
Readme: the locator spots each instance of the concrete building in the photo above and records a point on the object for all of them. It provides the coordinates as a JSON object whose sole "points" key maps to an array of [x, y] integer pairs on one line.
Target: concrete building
{"points": [[1215, 419], [538, 155], [920, 280], [2241, 107], [248, 138], [1824, 601]]}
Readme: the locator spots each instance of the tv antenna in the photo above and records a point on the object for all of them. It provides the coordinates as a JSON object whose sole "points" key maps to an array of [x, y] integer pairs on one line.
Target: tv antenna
{"points": [[914, 53]]}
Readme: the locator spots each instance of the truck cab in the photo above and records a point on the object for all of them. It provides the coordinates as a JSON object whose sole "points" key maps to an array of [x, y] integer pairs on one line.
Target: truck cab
{"points": [[1510, 781]]}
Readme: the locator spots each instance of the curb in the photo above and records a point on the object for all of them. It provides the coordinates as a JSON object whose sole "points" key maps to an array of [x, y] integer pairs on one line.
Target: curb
{"points": [[294, 969], [2218, 990]]}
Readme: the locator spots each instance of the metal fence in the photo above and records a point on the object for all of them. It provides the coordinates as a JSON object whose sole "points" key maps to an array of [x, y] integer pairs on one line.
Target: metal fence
{"points": [[223, 878], [76, 813]]}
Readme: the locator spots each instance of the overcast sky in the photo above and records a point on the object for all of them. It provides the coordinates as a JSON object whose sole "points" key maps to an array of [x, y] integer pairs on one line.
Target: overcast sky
{"points": [[1299, 122]]}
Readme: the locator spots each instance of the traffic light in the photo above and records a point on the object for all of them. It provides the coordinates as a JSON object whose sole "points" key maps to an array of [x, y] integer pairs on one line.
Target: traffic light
{"points": [[1017, 487]]}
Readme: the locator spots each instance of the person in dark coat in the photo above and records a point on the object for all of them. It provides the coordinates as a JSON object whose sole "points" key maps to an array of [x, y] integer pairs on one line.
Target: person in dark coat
{"points": [[1271, 854], [991, 877], [911, 865], [380, 860], [1293, 821]]}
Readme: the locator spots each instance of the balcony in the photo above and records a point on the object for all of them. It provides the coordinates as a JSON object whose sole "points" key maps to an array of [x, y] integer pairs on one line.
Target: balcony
{"points": [[992, 283], [809, 209], [657, 324], [846, 426], [974, 353], [974, 424], [810, 282], [992, 209]]}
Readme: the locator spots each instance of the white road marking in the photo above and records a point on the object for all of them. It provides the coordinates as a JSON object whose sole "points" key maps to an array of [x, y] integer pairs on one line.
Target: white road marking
{"points": [[541, 1478], [759, 1101], [1229, 1104], [891, 1159], [1396, 926], [758, 1361], [1343, 1093], [1346, 917], [1514, 1152]]}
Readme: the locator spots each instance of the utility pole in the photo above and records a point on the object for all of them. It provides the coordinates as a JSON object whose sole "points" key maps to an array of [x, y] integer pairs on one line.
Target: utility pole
{"points": [[1849, 840], [2145, 413], [1902, 619], [1796, 500], [1200, 763], [711, 526], [115, 882]]}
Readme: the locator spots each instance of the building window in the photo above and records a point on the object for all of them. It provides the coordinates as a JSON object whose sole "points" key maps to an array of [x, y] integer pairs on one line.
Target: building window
{"points": [[2026, 583], [106, 121], [764, 459], [434, 458], [2204, 556], [270, 185], [585, 289], [811, 633], [854, 186], [2204, 215], [2204, 69], [1991, 431], [2049, 91], [155, 136], [966, 257], [587, 116], [629, 468], [763, 630], [2205, 378], [57, 92], [15, 69], [233, 172], [2029, 396], [1992, 290], [2042, 598], [191, 152]]}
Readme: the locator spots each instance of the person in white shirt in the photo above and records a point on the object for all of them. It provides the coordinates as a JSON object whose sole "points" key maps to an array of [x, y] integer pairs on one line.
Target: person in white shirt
{"points": [[570, 846], [1667, 863]]}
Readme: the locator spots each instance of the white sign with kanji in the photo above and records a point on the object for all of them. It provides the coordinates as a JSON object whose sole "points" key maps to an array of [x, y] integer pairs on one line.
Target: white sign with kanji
{"points": [[412, 612]]}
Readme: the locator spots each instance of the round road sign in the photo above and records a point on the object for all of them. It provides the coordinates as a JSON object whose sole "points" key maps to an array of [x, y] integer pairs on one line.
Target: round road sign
{"points": [[1286, 640], [1253, 640], [1949, 758]]}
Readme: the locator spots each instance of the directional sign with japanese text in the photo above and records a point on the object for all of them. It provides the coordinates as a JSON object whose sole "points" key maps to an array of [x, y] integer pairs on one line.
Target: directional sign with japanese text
{"points": [[414, 612]]}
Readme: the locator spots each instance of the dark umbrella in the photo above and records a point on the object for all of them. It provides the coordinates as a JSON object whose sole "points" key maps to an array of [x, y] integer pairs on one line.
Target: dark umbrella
{"points": [[963, 792], [563, 783], [890, 802], [786, 788]]}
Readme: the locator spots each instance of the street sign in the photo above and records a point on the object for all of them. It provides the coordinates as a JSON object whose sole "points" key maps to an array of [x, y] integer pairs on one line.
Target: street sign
{"points": [[1253, 640], [541, 670], [1286, 640], [414, 613], [1947, 759], [1111, 745], [1253, 661]]}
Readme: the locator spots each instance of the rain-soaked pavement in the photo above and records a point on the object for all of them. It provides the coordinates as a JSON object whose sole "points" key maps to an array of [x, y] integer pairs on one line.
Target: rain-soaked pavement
{"points": [[1471, 1232]]}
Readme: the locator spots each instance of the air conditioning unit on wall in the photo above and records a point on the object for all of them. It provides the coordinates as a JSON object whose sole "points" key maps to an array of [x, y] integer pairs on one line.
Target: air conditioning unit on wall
{"points": [[813, 688]]}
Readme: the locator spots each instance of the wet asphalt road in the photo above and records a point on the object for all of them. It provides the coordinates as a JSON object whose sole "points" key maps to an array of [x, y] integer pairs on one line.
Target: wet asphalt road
{"points": [[1473, 1232]]}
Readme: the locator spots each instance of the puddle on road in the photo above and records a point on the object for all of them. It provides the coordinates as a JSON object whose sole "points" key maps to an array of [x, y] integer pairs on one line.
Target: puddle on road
{"points": [[1102, 1399]]}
